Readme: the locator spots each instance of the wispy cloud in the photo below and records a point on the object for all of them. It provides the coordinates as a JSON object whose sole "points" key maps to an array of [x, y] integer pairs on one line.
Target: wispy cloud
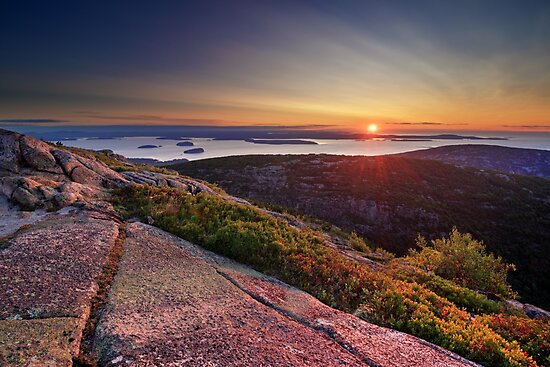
{"points": [[429, 123], [31, 121], [529, 126]]}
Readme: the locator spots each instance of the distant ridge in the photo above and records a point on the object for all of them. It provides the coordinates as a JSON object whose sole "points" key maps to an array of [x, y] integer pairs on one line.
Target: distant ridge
{"points": [[532, 162]]}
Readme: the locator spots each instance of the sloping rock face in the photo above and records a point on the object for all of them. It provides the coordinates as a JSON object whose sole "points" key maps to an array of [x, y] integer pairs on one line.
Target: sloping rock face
{"points": [[174, 304], [49, 270]]}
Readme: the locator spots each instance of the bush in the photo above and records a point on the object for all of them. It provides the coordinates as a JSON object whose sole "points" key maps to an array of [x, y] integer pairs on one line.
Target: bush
{"points": [[461, 296], [532, 334], [357, 243], [463, 260]]}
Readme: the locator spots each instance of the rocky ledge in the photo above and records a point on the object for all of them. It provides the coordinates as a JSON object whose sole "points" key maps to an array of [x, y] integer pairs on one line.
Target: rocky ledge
{"points": [[75, 281]]}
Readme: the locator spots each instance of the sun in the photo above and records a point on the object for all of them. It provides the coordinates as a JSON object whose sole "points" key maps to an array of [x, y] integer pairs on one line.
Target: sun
{"points": [[372, 128]]}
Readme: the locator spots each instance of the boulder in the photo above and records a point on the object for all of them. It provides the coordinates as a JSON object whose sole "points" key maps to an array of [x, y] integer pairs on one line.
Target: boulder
{"points": [[88, 171], [25, 199], [37, 154], [28, 194], [66, 160], [112, 178], [84, 175], [535, 312], [10, 152], [63, 199]]}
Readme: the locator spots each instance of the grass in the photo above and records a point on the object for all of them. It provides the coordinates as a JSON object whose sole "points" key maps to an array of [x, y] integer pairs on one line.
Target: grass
{"points": [[300, 258]]}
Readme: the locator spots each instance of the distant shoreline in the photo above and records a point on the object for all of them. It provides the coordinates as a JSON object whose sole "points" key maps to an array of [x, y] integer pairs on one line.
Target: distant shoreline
{"points": [[281, 141]]}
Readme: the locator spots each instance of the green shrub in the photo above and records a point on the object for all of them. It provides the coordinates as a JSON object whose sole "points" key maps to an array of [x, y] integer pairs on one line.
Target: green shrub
{"points": [[463, 260], [357, 243]]}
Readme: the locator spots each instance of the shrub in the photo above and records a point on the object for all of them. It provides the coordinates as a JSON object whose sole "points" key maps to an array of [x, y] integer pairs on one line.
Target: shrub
{"points": [[532, 334], [357, 243], [463, 260], [471, 300]]}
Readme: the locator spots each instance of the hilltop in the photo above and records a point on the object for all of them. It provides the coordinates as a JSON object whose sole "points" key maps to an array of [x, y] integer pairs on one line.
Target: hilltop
{"points": [[109, 263], [532, 162]]}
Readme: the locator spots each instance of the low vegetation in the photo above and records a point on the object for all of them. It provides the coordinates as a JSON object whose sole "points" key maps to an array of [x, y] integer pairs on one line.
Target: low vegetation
{"points": [[403, 297]]}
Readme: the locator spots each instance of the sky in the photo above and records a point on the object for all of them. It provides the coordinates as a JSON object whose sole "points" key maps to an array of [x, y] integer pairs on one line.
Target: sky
{"points": [[404, 65]]}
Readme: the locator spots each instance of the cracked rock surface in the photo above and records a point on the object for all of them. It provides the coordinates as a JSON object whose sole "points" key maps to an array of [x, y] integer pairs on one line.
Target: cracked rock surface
{"points": [[48, 278]]}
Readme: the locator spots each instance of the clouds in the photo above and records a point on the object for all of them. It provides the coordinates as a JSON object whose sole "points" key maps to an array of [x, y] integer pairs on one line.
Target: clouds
{"points": [[285, 62], [31, 121], [545, 127], [427, 123]]}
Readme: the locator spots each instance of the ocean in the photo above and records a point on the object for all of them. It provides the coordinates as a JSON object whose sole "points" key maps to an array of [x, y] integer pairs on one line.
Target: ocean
{"points": [[167, 149]]}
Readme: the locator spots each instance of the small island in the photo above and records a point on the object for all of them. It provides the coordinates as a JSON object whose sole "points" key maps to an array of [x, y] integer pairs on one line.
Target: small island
{"points": [[405, 139], [185, 144], [156, 162], [194, 151], [149, 146], [282, 141]]}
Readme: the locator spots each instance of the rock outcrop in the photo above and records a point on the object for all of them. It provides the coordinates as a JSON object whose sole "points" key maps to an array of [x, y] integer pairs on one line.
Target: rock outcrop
{"points": [[34, 174]]}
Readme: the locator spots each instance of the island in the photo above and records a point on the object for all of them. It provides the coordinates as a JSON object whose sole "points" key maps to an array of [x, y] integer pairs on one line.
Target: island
{"points": [[172, 138], [282, 141], [149, 146], [185, 144], [194, 151], [405, 139]]}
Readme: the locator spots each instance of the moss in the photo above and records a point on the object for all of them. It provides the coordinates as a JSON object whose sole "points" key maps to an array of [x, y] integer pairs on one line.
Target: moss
{"points": [[48, 342]]}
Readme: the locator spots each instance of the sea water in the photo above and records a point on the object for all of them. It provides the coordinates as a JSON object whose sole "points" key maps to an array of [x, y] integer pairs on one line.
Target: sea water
{"points": [[167, 150]]}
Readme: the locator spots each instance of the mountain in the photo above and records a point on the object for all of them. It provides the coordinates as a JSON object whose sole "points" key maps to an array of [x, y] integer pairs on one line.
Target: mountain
{"points": [[109, 263], [391, 199], [533, 162]]}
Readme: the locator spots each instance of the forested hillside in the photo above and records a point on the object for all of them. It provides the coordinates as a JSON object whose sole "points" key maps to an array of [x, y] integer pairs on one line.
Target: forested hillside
{"points": [[390, 200]]}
